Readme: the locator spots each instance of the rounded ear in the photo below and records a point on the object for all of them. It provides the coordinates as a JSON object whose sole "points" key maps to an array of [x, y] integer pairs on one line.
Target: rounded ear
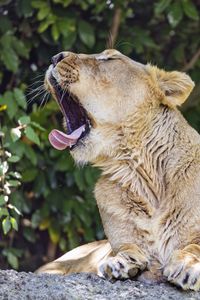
{"points": [[175, 85]]}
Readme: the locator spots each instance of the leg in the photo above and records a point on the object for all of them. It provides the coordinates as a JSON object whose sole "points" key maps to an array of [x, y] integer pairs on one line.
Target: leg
{"points": [[81, 259], [126, 264], [123, 235], [183, 268]]}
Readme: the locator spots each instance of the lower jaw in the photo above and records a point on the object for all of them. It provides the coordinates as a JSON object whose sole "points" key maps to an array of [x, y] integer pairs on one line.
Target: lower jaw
{"points": [[78, 144]]}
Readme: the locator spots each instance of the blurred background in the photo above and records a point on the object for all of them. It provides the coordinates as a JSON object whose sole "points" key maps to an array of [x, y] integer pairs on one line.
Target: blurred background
{"points": [[46, 203]]}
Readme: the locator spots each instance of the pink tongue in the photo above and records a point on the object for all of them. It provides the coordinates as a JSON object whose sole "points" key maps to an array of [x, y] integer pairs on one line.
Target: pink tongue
{"points": [[61, 141]]}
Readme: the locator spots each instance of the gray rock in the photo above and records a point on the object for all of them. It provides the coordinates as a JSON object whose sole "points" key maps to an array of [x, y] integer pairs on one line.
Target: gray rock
{"points": [[20, 286]]}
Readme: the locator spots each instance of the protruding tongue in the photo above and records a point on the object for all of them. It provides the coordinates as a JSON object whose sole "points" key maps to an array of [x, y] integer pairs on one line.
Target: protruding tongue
{"points": [[61, 140]]}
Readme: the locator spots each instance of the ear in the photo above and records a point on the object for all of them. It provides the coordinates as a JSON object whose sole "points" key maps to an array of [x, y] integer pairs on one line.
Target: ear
{"points": [[175, 85]]}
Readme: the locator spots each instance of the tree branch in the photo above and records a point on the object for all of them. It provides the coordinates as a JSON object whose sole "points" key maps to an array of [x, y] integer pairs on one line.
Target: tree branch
{"points": [[114, 27], [192, 62]]}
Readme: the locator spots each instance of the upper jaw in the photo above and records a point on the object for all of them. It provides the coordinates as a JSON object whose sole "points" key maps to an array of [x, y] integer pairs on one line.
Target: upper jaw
{"points": [[50, 78], [75, 116]]}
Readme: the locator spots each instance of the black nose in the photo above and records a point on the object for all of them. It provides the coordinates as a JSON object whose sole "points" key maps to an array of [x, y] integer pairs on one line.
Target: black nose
{"points": [[56, 58]]}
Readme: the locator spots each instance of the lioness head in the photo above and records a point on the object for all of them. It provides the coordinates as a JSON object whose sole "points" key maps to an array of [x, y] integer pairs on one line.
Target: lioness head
{"points": [[98, 93]]}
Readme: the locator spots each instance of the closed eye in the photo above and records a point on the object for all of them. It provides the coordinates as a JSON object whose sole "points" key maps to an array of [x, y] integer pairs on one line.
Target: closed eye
{"points": [[107, 58]]}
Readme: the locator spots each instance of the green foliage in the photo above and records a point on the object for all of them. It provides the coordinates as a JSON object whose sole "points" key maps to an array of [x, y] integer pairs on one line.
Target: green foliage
{"points": [[45, 202]]}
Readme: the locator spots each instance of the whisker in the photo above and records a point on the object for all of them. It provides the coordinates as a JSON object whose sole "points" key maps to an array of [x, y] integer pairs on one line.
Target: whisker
{"points": [[44, 100], [35, 89], [37, 95], [39, 75], [34, 84]]}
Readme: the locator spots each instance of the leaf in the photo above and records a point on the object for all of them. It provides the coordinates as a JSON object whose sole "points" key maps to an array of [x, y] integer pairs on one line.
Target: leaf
{"points": [[20, 48], [65, 3], [29, 175], [14, 208], [15, 134], [30, 154], [175, 14], [63, 164], [9, 100], [67, 26], [36, 218], [31, 135], [44, 224], [190, 10], [6, 225], [69, 40], [14, 159], [160, 6], [36, 125], [14, 183], [91, 176], [24, 120], [40, 185], [5, 24], [86, 33], [20, 98], [13, 260], [148, 42], [45, 24], [55, 32], [179, 53], [6, 39], [2, 200], [14, 223], [79, 179], [3, 107], [63, 244], [38, 3], [25, 9], [29, 234], [10, 59], [15, 175], [4, 168], [43, 12], [54, 234], [3, 212]]}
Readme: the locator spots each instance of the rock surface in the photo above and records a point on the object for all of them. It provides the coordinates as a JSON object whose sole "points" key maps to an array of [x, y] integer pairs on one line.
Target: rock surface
{"points": [[20, 286]]}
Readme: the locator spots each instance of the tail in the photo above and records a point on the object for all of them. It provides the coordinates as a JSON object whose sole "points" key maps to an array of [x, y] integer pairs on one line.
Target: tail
{"points": [[85, 258]]}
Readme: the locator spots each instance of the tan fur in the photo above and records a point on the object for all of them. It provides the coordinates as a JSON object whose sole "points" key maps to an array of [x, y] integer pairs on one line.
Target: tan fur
{"points": [[149, 192]]}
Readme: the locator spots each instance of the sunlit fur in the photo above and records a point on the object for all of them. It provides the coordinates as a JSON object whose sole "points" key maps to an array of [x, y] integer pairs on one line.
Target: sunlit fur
{"points": [[149, 192]]}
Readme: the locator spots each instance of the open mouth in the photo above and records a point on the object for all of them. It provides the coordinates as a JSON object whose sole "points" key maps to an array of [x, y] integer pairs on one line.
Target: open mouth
{"points": [[76, 119]]}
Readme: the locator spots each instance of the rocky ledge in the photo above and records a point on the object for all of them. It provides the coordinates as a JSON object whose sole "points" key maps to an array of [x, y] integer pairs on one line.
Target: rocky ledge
{"points": [[20, 286]]}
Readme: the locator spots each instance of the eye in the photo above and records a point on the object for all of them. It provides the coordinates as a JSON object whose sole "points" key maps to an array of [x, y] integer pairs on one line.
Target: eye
{"points": [[106, 58], [111, 58]]}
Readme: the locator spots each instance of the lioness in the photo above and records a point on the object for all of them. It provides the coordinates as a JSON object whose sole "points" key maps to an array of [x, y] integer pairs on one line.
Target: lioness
{"points": [[121, 116]]}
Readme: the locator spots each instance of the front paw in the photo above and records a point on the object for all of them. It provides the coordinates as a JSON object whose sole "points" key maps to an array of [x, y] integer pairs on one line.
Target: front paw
{"points": [[184, 270], [122, 266]]}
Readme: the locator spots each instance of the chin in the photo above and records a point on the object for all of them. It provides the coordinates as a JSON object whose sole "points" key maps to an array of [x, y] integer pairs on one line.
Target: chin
{"points": [[88, 149]]}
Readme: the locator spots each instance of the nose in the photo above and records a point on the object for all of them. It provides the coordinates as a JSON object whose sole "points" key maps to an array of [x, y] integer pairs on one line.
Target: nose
{"points": [[56, 58]]}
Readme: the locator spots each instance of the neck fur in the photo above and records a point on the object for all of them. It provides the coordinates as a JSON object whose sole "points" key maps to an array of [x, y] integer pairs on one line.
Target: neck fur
{"points": [[140, 161]]}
